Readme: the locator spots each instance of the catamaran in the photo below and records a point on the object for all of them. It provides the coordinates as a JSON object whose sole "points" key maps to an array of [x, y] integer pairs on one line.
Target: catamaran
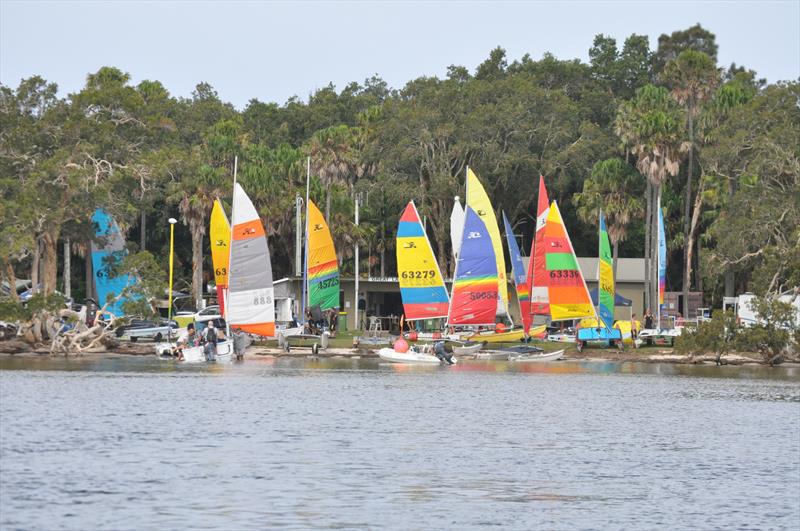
{"points": [[604, 316], [421, 284], [668, 334], [478, 200], [109, 247], [320, 277]]}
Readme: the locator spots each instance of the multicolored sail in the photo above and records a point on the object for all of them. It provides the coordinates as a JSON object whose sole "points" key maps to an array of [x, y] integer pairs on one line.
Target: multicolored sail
{"points": [[106, 252], [251, 305], [421, 283], [569, 298], [605, 275], [323, 266], [474, 298], [518, 270], [662, 258], [537, 273], [220, 236], [479, 201], [456, 226]]}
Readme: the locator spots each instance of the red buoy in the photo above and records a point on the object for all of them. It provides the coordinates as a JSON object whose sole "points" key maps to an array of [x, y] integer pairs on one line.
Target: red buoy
{"points": [[401, 345]]}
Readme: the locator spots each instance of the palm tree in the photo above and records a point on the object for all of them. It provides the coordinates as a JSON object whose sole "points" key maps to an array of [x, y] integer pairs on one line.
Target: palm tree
{"points": [[650, 129], [334, 158], [615, 189], [693, 78]]}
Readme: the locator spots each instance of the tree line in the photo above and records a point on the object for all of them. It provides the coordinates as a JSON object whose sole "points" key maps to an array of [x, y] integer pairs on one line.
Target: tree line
{"points": [[717, 147]]}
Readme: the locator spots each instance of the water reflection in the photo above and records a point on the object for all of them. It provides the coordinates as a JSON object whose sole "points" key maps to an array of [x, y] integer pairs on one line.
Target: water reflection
{"points": [[150, 364]]}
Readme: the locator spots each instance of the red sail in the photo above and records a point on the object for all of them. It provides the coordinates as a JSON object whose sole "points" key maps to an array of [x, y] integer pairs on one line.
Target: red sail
{"points": [[537, 274]]}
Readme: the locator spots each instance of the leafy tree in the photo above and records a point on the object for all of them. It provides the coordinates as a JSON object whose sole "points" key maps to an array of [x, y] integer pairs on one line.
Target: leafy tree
{"points": [[616, 189], [694, 38]]}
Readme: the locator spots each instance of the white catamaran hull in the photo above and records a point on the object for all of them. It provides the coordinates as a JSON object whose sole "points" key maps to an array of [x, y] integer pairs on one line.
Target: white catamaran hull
{"points": [[468, 350], [561, 338], [412, 356], [544, 356]]}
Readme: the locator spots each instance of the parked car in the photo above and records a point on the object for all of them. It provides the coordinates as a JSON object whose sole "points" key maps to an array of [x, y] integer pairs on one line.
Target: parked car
{"points": [[146, 328]]}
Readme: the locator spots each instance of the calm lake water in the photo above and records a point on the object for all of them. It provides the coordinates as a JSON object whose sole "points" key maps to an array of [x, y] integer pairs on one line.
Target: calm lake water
{"points": [[134, 443]]}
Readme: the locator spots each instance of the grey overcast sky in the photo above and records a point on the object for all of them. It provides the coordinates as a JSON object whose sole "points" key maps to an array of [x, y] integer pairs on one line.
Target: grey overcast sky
{"points": [[275, 50]]}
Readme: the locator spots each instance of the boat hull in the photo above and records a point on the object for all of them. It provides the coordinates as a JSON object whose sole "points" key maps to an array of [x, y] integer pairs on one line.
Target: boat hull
{"points": [[599, 334], [561, 338], [197, 354], [506, 337], [412, 356], [468, 350], [536, 357]]}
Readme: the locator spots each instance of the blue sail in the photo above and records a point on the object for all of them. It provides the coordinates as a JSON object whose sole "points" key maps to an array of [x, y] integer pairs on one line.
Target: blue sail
{"points": [[109, 249]]}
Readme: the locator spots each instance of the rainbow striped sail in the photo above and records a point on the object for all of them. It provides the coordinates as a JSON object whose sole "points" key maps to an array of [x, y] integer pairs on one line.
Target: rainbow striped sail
{"points": [[569, 298], [537, 273], [323, 266], [251, 296], [605, 277], [421, 284], [662, 258], [220, 236], [474, 298], [520, 281], [479, 201]]}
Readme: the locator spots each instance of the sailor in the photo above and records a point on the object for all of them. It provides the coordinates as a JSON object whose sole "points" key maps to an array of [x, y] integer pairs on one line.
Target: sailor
{"points": [[441, 353], [188, 338], [211, 337]]}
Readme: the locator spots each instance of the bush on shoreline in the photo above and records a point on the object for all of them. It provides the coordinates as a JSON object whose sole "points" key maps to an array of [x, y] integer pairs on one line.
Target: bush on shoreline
{"points": [[775, 337]]}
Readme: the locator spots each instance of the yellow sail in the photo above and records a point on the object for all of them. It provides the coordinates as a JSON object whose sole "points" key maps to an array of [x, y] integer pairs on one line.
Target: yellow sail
{"points": [[220, 236], [479, 201]]}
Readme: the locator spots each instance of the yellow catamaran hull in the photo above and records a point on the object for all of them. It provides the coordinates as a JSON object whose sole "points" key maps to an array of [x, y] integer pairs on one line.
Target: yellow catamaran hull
{"points": [[506, 337]]}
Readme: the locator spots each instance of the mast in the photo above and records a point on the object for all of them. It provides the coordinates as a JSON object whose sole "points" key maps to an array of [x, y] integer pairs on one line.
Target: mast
{"points": [[305, 243], [355, 288], [599, 259], [658, 264], [230, 245]]}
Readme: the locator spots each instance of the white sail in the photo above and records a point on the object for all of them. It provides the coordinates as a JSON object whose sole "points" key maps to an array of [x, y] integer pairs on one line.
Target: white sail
{"points": [[456, 226], [250, 303]]}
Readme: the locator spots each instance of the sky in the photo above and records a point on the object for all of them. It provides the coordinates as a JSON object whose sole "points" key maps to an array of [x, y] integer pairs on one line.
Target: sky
{"points": [[275, 50]]}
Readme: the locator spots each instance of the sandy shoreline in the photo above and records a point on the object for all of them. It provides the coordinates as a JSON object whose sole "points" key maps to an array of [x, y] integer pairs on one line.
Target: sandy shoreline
{"points": [[646, 355]]}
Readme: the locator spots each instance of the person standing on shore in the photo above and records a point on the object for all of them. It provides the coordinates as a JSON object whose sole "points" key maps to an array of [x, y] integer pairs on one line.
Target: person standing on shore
{"points": [[648, 323], [240, 342]]}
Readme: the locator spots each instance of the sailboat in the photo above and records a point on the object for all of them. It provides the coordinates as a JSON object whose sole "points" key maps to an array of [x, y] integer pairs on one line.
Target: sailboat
{"points": [[320, 276], [478, 200], [220, 236], [537, 273], [521, 284], [421, 285], [604, 316], [661, 266], [108, 250]]}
